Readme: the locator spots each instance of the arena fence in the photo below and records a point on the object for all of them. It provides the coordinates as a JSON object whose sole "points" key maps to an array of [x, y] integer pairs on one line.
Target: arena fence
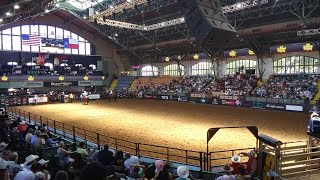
{"points": [[77, 134]]}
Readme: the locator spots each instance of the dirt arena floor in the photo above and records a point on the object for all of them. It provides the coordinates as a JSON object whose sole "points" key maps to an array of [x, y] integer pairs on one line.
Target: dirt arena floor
{"points": [[176, 124]]}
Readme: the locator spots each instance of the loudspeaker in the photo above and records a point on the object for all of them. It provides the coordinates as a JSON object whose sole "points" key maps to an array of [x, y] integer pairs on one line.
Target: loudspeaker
{"points": [[208, 23]]}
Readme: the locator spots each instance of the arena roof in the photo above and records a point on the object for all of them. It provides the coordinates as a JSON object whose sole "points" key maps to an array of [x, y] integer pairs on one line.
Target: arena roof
{"points": [[260, 23]]}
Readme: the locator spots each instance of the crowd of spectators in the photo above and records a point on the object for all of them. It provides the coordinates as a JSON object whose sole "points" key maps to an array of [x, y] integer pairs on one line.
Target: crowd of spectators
{"points": [[21, 158], [286, 87]]}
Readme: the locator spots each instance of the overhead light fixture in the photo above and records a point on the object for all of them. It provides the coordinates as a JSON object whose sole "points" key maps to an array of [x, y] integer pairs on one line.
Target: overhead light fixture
{"points": [[1, 20], [8, 14], [46, 11], [84, 17], [16, 6], [97, 12], [128, 0], [57, 5], [111, 7], [116, 35]]}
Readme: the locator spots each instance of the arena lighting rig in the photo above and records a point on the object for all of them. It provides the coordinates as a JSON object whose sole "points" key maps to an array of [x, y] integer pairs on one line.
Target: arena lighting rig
{"points": [[308, 32], [100, 17]]}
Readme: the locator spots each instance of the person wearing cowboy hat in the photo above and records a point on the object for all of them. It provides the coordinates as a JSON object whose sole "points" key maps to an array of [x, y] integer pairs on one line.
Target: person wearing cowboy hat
{"points": [[183, 173], [3, 146], [252, 163], [30, 160], [235, 163], [43, 165], [227, 170], [314, 127]]}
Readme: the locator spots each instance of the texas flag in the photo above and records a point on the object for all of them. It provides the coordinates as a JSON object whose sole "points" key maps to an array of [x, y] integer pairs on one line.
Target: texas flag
{"points": [[71, 43]]}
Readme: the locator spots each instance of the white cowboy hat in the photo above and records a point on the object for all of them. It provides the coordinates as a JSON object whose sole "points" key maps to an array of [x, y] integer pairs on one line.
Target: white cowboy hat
{"points": [[227, 168], [30, 158], [183, 172], [236, 159], [3, 146], [22, 122], [314, 114], [42, 162]]}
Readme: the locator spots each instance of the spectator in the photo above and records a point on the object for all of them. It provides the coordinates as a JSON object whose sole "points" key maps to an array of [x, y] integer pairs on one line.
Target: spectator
{"points": [[105, 156], [22, 127], [81, 150], [3, 146], [235, 163], [27, 174], [30, 160], [252, 162], [162, 171], [95, 171], [41, 142], [29, 136], [4, 172], [61, 175], [34, 138], [93, 154], [63, 154], [130, 159], [43, 166], [227, 173], [183, 173], [242, 173], [119, 159]]}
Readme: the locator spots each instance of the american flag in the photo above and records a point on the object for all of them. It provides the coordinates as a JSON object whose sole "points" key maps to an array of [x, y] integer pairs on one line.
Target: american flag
{"points": [[31, 40]]}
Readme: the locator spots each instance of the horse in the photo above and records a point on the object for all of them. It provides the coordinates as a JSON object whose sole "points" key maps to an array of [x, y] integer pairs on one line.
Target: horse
{"points": [[85, 100]]}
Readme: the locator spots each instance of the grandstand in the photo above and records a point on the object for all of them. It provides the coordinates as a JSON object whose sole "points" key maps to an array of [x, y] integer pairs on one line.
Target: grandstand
{"points": [[248, 68]]}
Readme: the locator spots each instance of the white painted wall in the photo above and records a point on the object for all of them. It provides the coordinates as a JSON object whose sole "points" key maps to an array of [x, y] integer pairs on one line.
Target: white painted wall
{"points": [[268, 63]]}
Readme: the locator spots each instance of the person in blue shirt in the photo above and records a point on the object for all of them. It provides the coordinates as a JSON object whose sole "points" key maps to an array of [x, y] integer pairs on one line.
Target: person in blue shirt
{"points": [[314, 123]]}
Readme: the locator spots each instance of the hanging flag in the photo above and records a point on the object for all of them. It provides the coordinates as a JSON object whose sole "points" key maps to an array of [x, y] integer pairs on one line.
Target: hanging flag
{"points": [[71, 43], [31, 40]]}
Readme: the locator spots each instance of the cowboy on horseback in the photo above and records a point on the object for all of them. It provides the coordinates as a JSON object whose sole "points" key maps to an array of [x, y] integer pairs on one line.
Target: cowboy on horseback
{"points": [[85, 97]]}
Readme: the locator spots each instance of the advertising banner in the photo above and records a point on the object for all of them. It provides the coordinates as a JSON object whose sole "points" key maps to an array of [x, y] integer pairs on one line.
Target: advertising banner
{"points": [[165, 97], [43, 99], [205, 100], [183, 99], [14, 101], [94, 96]]}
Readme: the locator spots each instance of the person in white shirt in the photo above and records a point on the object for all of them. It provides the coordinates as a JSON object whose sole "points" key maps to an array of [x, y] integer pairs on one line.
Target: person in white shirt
{"points": [[29, 136], [130, 159]]}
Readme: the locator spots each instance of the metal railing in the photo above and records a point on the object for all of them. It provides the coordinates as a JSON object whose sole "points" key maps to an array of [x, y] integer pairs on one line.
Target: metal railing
{"points": [[77, 134]]}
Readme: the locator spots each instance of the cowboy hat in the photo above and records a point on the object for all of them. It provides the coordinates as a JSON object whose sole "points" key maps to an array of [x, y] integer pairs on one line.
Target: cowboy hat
{"points": [[236, 159], [252, 154], [183, 171], [227, 168], [42, 162], [314, 114], [3, 146], [22, 122], [30, 158]]}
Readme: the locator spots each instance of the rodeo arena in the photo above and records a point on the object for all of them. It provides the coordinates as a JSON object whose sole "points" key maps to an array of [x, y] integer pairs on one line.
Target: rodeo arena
{"points": [[159, 89]]}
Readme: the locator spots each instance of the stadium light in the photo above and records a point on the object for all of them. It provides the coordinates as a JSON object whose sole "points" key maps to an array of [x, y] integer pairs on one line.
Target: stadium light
{"points": [[8, 14], [1, 20], [16, 6]]}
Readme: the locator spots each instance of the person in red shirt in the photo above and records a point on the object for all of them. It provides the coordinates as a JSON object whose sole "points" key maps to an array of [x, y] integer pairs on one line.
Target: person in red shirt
{"points": [[22, 127], [252, 163], [235, 163]]}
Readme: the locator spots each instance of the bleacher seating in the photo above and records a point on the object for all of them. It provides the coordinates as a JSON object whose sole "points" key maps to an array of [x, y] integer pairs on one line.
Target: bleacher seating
{"points": [[124, 83]]}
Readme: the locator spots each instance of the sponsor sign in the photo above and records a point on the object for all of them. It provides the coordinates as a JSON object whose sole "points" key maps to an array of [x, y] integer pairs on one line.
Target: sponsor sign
{"points": [[275, 106], [14, 101], [257, 105], [165, 97], [294, 108], [215, 101], [61, 84], [228, 102], [38, 99], [94, 96], [183, 99]]}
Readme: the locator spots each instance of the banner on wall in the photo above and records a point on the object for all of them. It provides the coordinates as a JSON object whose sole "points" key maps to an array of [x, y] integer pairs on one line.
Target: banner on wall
{"points": [[52, 45], [297, 47], [238, 53]]}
